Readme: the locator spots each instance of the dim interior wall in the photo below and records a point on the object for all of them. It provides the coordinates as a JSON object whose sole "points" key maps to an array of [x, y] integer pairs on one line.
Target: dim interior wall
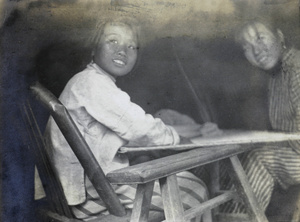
{"points": [[233, 92], [50, 36]]}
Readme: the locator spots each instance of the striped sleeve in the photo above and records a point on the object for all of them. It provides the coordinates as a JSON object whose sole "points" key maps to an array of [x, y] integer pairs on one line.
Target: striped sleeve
{"points": [[295, 101]]}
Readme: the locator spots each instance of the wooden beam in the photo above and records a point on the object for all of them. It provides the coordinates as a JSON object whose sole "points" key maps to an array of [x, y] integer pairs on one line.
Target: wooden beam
{"points": [[142, 202], [245, 191], [208, 205], [171, 199]]}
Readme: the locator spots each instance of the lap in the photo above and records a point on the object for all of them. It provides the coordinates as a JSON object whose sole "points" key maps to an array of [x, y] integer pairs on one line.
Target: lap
{"points": [[281, 162], [274, 154], [192, 191]]}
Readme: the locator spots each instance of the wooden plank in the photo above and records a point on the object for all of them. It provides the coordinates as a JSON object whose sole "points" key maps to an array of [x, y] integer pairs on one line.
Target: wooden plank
{"points": [[142, 202], [229, 137], [155, 169], [171, 199], [244, 190], [208, 205]]}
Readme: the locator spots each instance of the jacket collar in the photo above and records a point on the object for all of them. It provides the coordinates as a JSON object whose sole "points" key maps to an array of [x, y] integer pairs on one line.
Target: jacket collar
{"points": [[100, 71]]}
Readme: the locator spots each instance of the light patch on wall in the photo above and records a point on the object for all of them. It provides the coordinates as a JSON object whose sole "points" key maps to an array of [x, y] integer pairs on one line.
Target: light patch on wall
{"points": [[214, 6], [204, 19], [162, 10]]}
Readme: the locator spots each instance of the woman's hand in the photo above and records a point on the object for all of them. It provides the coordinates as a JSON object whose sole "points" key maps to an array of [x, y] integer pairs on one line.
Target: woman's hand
{"points": [[210, 129], [184, 140], [189, 130], [195, 130]]}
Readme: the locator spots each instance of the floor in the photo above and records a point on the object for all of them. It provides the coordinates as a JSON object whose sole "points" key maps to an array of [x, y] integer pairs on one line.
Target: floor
{"points": [[283, 204], [280, 209]]}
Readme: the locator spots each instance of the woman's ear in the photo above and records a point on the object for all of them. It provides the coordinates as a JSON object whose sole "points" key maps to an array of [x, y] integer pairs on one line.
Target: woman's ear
{"points": [[280, 35], [281, 38], [92, 55]]}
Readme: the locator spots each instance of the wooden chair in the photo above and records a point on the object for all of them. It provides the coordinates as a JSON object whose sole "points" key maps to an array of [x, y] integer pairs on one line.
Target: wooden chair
{"points": [[144, 174]]}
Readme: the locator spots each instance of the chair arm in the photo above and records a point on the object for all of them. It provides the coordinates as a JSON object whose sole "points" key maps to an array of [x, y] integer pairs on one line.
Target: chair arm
{"points": [[162, 167]]}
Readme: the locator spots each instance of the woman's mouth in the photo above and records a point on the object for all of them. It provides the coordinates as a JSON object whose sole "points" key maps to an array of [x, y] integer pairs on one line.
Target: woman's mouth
{"points": [[262, 59], [119, 62]]}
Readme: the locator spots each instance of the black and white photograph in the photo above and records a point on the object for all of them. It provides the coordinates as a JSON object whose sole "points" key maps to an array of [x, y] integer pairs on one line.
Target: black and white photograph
{"points": [[150, 110]]}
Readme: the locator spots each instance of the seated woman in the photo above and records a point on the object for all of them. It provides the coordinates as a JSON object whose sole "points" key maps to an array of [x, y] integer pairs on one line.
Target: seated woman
{"points": [[278, 164], [108, 120]]}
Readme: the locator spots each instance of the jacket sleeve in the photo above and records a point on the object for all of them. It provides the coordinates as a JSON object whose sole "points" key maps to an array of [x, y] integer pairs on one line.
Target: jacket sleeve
{"points": [[112, 107], [295, 103]]}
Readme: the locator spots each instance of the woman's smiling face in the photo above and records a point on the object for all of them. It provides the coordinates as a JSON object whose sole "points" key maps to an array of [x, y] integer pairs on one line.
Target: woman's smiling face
{"points": [[262, 48], [116, 52]]}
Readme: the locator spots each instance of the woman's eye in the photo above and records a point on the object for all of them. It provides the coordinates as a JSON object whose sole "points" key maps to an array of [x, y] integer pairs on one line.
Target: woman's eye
{"points": [[260, 38], [132, 47], [113, 41], [246, 48]]}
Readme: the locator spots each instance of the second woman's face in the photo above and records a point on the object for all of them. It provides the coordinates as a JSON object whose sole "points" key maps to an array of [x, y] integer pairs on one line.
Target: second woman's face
{"points": [[116, 52], [262, 48]]}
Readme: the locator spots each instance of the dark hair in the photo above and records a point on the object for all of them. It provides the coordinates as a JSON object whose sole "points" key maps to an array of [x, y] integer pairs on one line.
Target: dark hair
{"points": [[99, 29], [266, 23]]}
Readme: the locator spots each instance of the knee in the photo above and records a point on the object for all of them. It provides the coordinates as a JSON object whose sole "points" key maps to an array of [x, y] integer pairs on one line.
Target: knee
{"points": [[254, 156]]}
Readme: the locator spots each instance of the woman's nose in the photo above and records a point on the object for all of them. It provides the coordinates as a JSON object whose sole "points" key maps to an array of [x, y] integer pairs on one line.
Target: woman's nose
{"points": [[256, 50], [122, 50], [121, 53]]}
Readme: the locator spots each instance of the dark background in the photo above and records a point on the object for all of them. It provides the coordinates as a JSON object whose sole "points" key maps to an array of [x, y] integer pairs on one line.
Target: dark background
{"points": [[46, 40]]}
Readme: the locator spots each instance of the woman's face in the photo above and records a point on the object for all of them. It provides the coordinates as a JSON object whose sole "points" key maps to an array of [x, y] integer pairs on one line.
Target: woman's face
{"points": [[116, 52], [262, 48]]}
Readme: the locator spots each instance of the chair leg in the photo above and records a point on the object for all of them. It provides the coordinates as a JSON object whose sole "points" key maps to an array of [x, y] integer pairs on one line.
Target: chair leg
{"points": [[296, 214], [141, 206], [214, 186], [214, 178], [244, 190], [171, 199]]}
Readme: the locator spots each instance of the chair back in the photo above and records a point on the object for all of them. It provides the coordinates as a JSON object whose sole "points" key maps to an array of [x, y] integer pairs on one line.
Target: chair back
{"points": [[53, 189], [80, 148]]}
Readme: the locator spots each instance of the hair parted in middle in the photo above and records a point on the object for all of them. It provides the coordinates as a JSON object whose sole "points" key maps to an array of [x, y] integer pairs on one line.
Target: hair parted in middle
{"points": [[252, 23], [118, 20]]}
